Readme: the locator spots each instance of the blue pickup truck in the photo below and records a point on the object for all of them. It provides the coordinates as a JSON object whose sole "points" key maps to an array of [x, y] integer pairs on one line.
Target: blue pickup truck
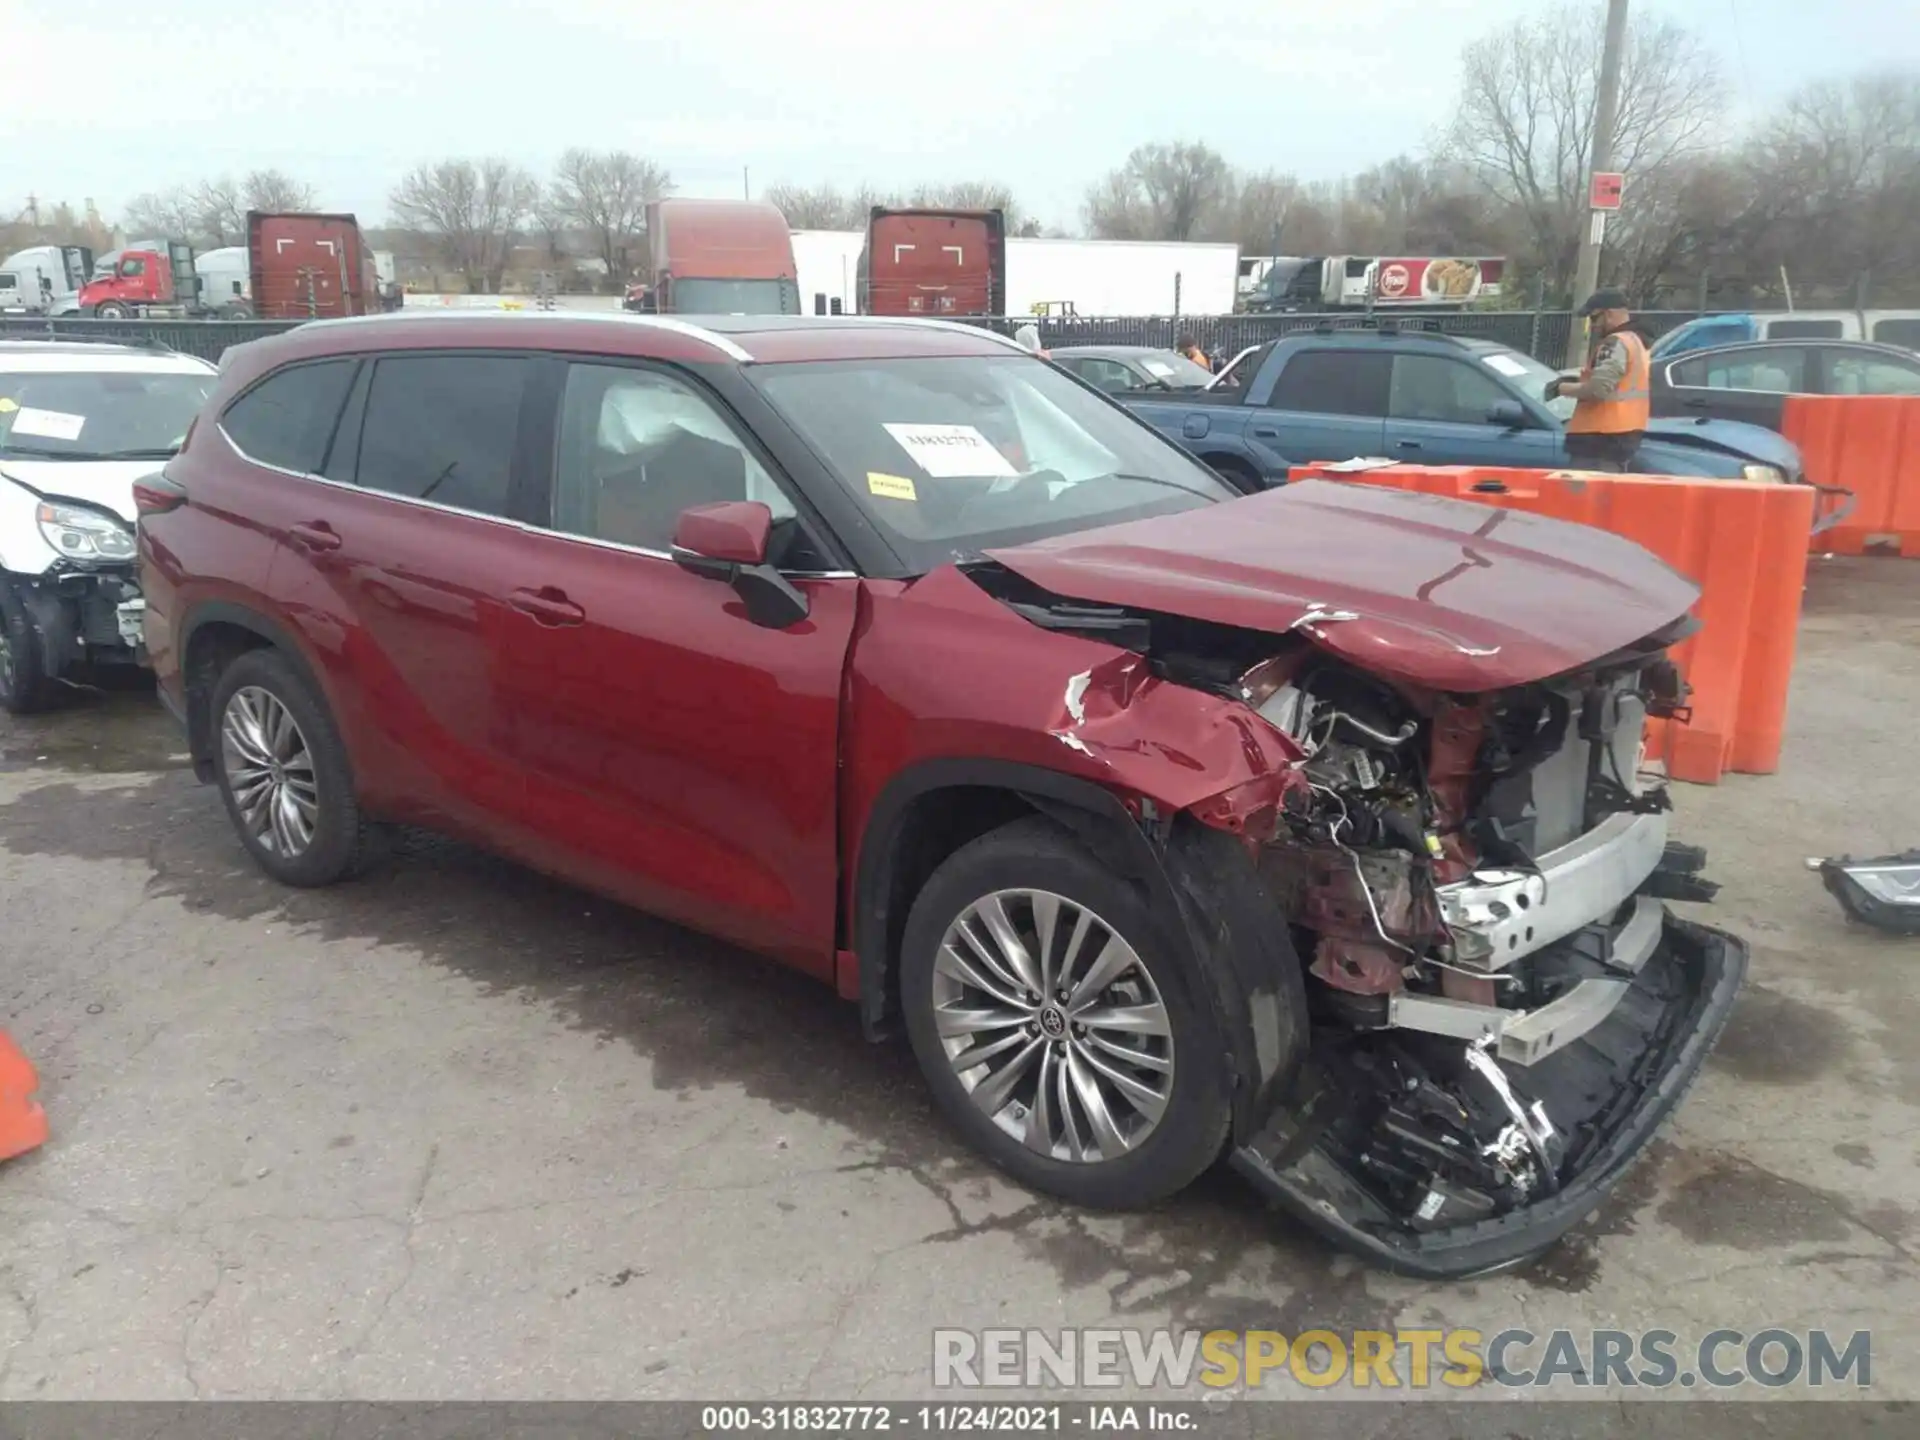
{"points": [[1423, 398]]}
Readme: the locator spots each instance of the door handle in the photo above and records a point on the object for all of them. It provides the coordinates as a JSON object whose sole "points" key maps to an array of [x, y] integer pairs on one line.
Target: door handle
{"points": [[1406, 445], [314, 535], [1265, 432], [548, 605], [1694, 404]]}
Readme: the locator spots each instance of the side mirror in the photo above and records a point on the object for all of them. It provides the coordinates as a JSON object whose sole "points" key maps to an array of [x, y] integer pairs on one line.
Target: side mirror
{"points": [[727, 541], [1509, 413]]}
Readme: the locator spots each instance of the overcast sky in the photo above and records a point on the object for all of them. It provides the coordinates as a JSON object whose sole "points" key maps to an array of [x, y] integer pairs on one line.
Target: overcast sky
{"points": [[102, 99]]}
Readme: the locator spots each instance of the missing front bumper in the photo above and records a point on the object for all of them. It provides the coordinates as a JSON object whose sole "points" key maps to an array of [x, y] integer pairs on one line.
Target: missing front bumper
{"points": [[1608, 1093]]}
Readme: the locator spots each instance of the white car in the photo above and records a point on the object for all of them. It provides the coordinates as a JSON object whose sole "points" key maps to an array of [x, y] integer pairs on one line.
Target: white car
{"points": [[79, 423]]}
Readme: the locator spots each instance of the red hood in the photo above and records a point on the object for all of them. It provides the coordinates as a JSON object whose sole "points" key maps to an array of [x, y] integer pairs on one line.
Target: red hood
{"points": [[1440, 593]]}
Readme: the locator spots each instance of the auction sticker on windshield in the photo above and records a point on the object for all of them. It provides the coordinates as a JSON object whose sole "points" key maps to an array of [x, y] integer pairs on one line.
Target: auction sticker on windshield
{"points": [[54, 424], [1507, 365], [891, 487], [951, 451]]}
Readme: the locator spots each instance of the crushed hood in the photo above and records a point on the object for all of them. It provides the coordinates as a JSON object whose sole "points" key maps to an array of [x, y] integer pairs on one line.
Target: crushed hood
{"points": [[1436, 592], [105, 484]]}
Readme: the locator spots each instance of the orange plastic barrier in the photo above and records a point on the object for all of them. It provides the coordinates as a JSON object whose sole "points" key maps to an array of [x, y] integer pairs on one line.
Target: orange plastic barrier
{"points": [[23, 1124], [1744, 543], [1871, 445]]}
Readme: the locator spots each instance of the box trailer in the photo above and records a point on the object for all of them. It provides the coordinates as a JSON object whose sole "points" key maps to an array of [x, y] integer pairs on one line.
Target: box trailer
{"points": [[306, 265], [1121, 277], [938, 263]]}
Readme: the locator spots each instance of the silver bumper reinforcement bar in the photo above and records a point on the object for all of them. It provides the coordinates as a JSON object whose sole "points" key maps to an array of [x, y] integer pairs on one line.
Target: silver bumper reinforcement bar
{"points": [[1523, 1037], [1499, 916]]}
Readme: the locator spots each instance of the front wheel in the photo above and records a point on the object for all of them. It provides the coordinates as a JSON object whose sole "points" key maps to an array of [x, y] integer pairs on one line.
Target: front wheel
{"points": [[25, 686], [1057, 1026], [112, 310]]}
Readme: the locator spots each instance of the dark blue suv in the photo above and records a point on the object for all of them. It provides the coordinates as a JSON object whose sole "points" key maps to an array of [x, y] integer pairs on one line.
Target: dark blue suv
{"points": [[1423, 398]]}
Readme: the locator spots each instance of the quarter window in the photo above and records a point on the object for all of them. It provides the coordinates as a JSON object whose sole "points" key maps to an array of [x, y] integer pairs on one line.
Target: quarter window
{"points": [[1860, 375], [637, 447], [287, 419], [443, 428]]}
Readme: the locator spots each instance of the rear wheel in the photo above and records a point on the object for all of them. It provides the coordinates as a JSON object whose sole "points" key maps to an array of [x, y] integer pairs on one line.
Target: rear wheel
{"points": [[25, 686], [1237, 473], [1057, 1027], [283, 773]]}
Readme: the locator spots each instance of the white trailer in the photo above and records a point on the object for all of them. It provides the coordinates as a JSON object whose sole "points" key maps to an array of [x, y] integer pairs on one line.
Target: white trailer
{"points": [[44, 279], [226, 282], [1121, 277], [828, 263]]}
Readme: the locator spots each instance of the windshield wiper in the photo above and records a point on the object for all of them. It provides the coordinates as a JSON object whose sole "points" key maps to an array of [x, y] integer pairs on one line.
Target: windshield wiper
{"points": [[1159, 480]]}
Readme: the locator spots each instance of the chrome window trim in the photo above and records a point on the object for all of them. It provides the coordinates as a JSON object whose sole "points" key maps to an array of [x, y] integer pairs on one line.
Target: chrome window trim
{"points": [[507, 520]]}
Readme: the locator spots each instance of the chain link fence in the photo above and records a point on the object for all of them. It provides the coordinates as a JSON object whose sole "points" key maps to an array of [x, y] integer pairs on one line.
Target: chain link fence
{"points": [[1542, 333]]}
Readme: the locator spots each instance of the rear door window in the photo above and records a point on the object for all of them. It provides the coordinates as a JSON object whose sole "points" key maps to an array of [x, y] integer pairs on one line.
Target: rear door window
{"points": [[287, 419], [1432, 387], [1334, 382], [1774, 372], [1805, 330], [443, 428]]}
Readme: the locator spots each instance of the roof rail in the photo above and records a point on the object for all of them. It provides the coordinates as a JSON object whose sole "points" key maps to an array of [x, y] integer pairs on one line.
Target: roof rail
{"points": [[626, 317], [954, 325]]}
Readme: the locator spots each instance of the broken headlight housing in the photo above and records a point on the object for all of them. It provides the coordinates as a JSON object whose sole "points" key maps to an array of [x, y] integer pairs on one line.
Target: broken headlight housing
{"points": [[1884, 891], [82, 534]]}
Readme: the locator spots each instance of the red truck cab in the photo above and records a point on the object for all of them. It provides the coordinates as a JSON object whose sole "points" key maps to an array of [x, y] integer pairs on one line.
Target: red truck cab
{"points": [[934, 262], [138, 280], [719, 257]]}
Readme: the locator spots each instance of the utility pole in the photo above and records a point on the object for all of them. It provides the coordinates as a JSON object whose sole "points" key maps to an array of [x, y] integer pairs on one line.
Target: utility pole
{"points": [[746, 189], [1606, 112]]}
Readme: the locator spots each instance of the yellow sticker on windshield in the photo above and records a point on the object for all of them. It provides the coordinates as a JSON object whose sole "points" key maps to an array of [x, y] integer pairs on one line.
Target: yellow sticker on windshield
{"points": [[891, 487], [8, 404]]}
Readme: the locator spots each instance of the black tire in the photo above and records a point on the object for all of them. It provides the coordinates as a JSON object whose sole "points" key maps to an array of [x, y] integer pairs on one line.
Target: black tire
{"points": [[112, 310], [1040, 855], [1237, 473], [344, 841], [25, 686]]}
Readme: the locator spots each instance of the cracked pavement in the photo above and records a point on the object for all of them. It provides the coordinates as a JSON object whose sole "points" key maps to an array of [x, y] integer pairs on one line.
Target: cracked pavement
{"points": [[458, 1131]]}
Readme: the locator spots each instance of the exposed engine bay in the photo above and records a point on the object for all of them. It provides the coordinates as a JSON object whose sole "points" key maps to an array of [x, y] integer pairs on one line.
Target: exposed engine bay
{"points": [[1474, 886]]}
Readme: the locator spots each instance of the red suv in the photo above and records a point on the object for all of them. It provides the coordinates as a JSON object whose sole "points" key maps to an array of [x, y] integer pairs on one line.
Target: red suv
{"points": [[1309, 826]]}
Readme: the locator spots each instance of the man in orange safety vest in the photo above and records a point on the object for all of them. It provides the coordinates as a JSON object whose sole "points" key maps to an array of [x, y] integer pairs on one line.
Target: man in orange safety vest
{"points": [[1613, 394]]}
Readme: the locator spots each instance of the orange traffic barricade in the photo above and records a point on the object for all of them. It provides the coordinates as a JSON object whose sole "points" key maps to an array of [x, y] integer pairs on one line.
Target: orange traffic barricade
{"points": [[1743, 542], [1869, 444], [23, 1124]]}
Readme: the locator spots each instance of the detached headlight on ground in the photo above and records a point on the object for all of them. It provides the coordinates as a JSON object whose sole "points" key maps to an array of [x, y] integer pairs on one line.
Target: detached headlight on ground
{"points": [[84, 534], [1883, 892], [1764, 474]]}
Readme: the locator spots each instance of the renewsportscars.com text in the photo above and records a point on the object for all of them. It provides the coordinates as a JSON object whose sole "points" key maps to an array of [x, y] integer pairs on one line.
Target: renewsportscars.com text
{"points": [[1458, 1359]]}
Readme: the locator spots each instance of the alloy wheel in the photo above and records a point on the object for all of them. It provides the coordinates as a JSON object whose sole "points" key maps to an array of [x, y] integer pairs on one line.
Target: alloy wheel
{"points": [[1054, 1025], [269, 769]]}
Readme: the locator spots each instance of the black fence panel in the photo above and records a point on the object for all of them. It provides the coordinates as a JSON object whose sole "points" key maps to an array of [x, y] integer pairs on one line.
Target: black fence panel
{"points": [[1541, 333], [209, 339]]}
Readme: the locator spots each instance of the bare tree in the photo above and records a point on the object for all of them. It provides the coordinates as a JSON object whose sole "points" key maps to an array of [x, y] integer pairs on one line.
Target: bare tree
{"points": [[972, 195], [1261, 207], [1163, 192], [276, 191], [162, 214], [1524, 123], [219, 213], [825, 207], [470, 211], [605, 194], [814, 207]]}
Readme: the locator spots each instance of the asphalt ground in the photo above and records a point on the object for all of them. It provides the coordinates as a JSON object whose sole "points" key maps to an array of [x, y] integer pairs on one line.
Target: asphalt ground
{"points": [[456, 1130]]}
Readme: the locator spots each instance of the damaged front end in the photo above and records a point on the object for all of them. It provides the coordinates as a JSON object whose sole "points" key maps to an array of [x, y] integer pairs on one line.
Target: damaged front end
{"points": [[1502, 1009]]}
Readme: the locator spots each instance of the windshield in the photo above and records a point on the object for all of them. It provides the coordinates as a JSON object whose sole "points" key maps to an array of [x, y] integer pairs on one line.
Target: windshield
{"points": [[1530, 376], [1175, 371], [955, 455], [736, 297], [97, 415]]}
